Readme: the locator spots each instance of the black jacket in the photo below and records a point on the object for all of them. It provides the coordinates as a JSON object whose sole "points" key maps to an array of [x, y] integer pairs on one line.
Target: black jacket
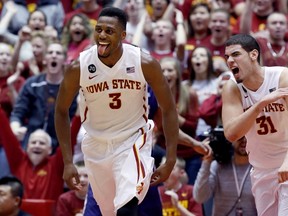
{"points": [[35, 107]]}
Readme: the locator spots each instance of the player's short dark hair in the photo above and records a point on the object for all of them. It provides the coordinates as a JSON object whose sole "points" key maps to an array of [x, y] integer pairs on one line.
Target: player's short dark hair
{"points": [[115, 12], [15, 184], [247, 42]]}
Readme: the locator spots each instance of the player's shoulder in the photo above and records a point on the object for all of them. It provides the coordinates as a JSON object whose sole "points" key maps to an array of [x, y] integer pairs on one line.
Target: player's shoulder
{"points": [[230, 88], [86, 53], [275, 68], [135, 47], [74, 66], [147, 58], [284, 70]]}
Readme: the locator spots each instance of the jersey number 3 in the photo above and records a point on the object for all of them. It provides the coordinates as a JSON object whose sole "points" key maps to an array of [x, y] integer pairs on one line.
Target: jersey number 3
{"points": [[116, 102], [266, 125]]}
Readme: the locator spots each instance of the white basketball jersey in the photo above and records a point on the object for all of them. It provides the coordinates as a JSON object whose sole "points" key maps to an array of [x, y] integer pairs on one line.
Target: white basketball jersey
{"points": [[267, 140], [113, 101]]}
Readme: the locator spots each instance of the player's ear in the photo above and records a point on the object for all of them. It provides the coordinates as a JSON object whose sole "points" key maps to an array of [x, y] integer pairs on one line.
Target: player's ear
{"points": [[123, 35], [254, 54]]}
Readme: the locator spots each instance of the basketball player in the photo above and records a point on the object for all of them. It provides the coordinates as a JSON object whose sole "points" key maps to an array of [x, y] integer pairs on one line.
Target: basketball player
{"points": [[112, 80], [256, 106]]}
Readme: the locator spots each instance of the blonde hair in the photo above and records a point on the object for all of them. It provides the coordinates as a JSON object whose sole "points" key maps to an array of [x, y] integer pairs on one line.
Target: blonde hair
{"points": [[183, 90], [11, 49]]}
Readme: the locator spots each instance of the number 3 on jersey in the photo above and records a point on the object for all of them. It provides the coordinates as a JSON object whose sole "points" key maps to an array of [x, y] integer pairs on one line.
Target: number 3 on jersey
{"points": [[116, 102]]}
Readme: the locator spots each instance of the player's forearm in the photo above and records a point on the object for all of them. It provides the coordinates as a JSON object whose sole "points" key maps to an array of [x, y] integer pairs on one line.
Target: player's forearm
{"points": [[171, 132], [62, 126], [237, 127]]}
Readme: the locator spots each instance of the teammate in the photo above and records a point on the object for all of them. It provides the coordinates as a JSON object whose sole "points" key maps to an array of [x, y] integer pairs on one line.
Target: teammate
{"points": [[256, 106], [112, 80]]}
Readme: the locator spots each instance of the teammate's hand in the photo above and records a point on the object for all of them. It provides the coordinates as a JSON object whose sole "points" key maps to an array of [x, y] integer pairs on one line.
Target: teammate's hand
{"points": [[283, 173]]}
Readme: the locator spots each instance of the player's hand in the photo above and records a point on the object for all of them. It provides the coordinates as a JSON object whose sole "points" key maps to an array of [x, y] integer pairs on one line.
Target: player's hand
{"points": [[203, 147], [275, 95], [71, 177], [162, 173], [283, 173]]}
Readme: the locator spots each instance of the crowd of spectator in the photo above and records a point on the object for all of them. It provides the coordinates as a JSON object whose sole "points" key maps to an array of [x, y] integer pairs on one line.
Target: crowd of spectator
{"points": [[39, 38]]}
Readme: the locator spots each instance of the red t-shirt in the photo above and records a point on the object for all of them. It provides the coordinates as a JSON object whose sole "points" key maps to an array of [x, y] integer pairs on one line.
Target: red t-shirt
{"points": [[41, 182], [189, 127], [69, 204], [75, 49], [185, 194], [93, 15], [273, 55], [193, 42], [257, 24], [215, 50], [5, 93], [158, 55], [68, 5]]}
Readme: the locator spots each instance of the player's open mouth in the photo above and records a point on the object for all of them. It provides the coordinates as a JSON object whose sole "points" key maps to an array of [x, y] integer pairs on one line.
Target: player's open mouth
{"points": [[235, 70]]}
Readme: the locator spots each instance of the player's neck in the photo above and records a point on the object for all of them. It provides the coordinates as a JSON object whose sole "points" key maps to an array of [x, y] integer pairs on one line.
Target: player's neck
{"points": [[111, 60], [253, 82]]}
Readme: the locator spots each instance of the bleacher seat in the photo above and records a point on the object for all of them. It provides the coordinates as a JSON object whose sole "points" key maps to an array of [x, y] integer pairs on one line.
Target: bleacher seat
{"points": [[39, 207]]}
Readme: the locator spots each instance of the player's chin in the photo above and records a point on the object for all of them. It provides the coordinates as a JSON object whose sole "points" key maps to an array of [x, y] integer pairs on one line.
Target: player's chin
{"points": [[105, 55], [239, 80]]}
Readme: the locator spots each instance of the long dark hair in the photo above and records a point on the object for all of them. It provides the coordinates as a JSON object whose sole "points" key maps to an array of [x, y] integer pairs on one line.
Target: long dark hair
{"points": [[210, 69], [191, 31]]}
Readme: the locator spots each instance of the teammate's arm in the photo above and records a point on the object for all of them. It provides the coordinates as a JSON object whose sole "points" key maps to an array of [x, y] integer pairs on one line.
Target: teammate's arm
{"points": [[67, 92], [154, 76], [236, 122]]}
